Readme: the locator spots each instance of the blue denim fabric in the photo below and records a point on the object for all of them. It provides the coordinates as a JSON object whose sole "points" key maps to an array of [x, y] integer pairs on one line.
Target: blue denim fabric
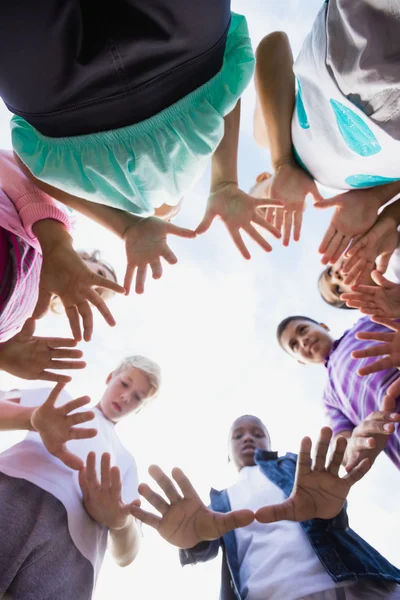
{"points": [[344, 554]]}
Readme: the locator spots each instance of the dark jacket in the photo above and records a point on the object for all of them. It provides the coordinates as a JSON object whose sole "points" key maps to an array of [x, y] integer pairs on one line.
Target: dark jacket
{"points": [[343, 553]]}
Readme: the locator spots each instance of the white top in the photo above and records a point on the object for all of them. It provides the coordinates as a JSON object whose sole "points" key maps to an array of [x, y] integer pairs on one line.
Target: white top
{"points": [[30, 460], [276, 560], [337, 142]]}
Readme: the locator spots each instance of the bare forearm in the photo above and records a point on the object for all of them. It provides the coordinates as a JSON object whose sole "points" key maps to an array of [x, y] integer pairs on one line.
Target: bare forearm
{"points": [[275, 85], [15, 417], [125, 543], [224, 160]]}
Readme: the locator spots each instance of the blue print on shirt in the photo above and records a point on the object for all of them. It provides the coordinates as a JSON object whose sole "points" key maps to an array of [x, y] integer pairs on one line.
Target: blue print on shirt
{"points": [[357, 135], [300, 162], [301, 111], [360, 181]]}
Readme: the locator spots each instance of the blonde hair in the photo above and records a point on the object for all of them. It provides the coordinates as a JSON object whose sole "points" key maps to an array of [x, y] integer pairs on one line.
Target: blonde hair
{"points": [[149, 367], [57, 307]]}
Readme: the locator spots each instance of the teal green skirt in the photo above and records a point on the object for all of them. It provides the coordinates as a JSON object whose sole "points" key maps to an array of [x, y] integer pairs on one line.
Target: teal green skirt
{"points": [[140, 167]]}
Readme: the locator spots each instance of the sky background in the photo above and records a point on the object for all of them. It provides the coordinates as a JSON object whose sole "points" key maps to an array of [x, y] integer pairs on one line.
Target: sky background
{"points": [[210, 323]]}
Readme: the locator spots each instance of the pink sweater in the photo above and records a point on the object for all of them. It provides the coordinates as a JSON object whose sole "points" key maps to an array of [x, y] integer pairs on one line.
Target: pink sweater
{"points": [[22, 204]]}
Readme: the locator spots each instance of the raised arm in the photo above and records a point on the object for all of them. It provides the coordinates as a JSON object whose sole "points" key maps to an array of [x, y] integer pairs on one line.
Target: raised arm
{"points": [[275, 86]]}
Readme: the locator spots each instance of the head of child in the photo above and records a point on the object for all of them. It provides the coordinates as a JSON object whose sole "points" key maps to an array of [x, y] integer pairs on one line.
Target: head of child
{"points": [[99, 266], [247, 434], [130, 387], [261, 187], [331, 285], [306, 340]]}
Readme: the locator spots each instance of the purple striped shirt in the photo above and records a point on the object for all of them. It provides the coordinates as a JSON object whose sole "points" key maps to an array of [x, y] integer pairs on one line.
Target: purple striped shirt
{"points": [[349, 398]]}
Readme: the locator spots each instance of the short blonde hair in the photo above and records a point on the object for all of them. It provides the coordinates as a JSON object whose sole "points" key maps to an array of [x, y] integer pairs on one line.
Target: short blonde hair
{"points": [[149, 367]]}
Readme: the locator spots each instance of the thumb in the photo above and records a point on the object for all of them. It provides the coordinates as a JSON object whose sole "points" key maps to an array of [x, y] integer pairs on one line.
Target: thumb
{"points": [[393, 391], [205, 224], [389, 404], [326, 203], [234, 520], [380, 280], [315, 193], [180, 231], [42, 305], [276, 512], [382, 262]]}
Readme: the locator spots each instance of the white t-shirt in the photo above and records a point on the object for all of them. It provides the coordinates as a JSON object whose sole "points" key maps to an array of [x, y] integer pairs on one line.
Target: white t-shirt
{"points": [[276, 560], [30, 460]]}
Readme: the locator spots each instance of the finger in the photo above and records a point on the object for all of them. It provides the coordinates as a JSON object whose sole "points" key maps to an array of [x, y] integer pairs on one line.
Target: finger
{"points": [[233, 520], [276, 512], [303, 466], [358, 472], [169, 256], [205, 223], [103, 309], [81, 433], [79, 418], [116, 485], [153, 498], [389, 406], [326, 202], [337, 456], [74, 323], [239, 243], [393, 391], [60, 342], [156, 268], [339, 250], [83, 484], [87, 318], [49, 376], [165, 483], [140, 279], [379, 365], [278, 219], [326, 240], [381, 280], [180, 231], [42, 305], [74, 404], [265, 225], [389, 323], [270, 215], [361, 443], [185, 484], [130, 271], [70, 460], [322, 448], [375, 350], [145, 517], [287, 227], [382, 424], [105, 476], [99, 281], [297, 223], [66, 354], [91, 474], [258, 238], [55, 392], [66, 364]]}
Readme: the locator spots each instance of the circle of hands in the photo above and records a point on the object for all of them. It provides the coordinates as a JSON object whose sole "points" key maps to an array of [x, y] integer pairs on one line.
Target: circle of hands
{"points": [[318, 492]]}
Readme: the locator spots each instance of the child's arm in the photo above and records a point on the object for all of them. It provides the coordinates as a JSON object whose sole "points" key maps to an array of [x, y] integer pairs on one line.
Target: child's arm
{"points": [[13, 416], [237, 209], [185, 521], [30, 357], [103, 501], [145, 239]]}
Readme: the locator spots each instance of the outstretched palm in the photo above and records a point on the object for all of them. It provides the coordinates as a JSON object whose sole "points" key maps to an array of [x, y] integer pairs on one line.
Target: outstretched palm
{"points": [[318, 491], [185, 520], [145, 245], [382, 300]]}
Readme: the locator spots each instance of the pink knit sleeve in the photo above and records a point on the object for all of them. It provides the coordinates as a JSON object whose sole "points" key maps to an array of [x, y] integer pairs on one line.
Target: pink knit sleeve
{"points": [[31, 203]]}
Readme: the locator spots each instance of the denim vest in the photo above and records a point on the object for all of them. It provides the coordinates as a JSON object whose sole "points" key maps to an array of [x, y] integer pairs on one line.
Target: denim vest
{"points": [[343, 553]]}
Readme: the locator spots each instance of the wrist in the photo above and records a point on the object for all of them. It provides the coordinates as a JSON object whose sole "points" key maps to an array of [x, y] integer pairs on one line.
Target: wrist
{"points": [[286, 160], [222, 184], [130, 222], [51, 234], [119, 530]]}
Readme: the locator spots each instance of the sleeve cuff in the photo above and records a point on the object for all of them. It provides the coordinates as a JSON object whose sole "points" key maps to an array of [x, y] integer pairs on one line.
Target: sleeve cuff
{"points": [[38, 208]]}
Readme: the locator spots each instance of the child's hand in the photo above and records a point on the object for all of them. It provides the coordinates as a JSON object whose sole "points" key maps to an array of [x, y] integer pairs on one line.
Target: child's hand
{"points": [[356, 212], [290, 184], [185, 520], [145, 244], [238, 211], [389, 349], [318, 491], [102, 499], [381, 301], [376, 246], [56, 426], [29, 357], [65, 274], [370, 437]]}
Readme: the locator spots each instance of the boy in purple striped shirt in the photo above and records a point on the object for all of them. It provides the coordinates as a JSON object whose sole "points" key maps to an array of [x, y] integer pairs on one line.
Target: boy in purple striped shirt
{"points": [[356, 406]]}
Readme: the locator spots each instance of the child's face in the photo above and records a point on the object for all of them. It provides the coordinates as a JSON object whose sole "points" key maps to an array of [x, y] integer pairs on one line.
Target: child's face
{"points": [[331, 284], [247, 434], [124, 394], [100, 269], [308, 342]]}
